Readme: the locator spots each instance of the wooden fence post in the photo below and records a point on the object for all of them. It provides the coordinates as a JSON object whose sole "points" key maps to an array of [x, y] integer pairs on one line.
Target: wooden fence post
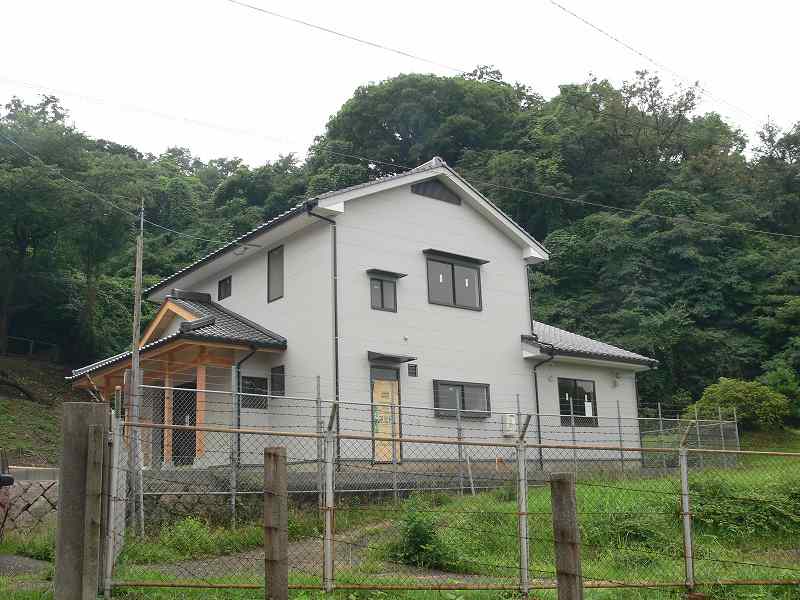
{"points": [[276, 527], [95, 453], [79, 500], [566, 536]]}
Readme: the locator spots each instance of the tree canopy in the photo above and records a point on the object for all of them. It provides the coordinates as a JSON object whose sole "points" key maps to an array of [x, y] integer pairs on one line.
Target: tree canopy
{"points": [[649, 207]]}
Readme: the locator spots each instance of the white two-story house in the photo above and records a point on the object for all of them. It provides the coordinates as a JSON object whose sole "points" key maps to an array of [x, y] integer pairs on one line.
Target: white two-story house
{"points": [[405, 300]]}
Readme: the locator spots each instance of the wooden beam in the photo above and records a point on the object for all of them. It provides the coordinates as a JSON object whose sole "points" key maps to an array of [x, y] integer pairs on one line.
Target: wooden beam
{"points": [[200, 411], [167, 310]]}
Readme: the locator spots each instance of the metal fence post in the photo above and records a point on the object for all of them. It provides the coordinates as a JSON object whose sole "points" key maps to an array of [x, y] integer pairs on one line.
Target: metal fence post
{"points": [[688, 555], [621, 442], [574, 439], [736, 429], [566, 536], [320, 446], [327, 545], [276, 525], [721, 427], [460, 434], [661, 436], [522, 508], [110, 554], [393, 428], [699, 439], [234, 476]]}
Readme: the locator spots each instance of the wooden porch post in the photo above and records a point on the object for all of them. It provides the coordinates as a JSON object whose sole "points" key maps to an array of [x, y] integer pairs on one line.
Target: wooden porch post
{"points": [[200, 410], [168, 414]]}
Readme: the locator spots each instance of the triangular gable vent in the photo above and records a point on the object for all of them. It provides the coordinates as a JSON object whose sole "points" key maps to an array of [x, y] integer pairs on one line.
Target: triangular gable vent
{"points": [[433, 188]]}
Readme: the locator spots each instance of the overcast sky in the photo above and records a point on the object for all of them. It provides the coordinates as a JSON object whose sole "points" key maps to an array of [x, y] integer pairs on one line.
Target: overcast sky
{"points": [[229, 81]]}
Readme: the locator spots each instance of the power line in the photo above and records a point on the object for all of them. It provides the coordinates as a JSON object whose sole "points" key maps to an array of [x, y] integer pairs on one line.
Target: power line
{"points": [[348, 36], [159, 114], [652, 61], [110, 203]]}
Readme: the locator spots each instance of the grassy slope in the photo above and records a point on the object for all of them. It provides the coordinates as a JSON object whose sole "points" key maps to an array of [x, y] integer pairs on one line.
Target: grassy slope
{"points": [[30, 430]]}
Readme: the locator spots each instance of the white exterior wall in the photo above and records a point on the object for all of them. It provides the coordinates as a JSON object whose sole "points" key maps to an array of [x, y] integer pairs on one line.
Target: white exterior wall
{"points": [[389, 232], [613, 387]]}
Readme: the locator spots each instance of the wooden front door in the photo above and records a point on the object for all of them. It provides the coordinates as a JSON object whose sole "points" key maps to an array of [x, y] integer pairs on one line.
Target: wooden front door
{"points": [[386, 413]]}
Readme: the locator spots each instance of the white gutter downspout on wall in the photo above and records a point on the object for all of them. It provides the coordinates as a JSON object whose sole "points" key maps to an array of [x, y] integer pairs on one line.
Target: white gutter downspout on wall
{"points": [[551, 356], [334, 302]]}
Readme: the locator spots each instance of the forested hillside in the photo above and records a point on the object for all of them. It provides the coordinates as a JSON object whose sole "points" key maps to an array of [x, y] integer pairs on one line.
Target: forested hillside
{"points": [[676, 269]]}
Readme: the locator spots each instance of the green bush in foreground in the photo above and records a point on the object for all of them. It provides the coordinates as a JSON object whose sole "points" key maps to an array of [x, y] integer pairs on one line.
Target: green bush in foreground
{"points": [[418, 544]]}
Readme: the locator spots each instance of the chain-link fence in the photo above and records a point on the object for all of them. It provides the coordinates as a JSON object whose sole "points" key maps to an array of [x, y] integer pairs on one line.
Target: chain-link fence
{"points": [[395, 511]]}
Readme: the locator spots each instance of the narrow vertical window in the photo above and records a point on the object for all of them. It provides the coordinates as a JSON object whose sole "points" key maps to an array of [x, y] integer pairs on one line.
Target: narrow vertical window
{"points": [[383, 289], [275, 274], [277, 379], [224, 287]]}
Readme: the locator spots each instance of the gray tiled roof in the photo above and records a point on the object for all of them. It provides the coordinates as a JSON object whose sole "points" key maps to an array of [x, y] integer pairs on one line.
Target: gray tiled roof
{"points": [[567, 343], [227, 326]]}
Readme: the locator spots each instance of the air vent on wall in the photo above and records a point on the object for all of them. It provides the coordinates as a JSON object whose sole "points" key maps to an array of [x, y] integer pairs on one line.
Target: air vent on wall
{"points": [[435, 189], [412, 370]]}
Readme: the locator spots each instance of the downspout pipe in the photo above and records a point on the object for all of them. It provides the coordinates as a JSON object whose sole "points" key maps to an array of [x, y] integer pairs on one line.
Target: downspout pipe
{"points": [[237, 400], [334, 300], [550, 351]]}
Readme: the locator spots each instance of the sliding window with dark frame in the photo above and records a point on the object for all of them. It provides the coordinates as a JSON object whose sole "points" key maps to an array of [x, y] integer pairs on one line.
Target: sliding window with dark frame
{"points": [[454, 280], [577, 399], [471, 399], [383, 289], [277, 381], [253, 392], [383, 294]]}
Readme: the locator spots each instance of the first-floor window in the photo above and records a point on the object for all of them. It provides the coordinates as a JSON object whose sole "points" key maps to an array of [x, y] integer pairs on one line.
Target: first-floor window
{"points": [[471, 399], [277, 379], [254, 392], [577, 400]]}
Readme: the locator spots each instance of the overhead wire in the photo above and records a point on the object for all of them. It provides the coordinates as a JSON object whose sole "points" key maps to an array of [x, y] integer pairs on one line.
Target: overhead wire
{"points": [[347, 36], [650, 59]]}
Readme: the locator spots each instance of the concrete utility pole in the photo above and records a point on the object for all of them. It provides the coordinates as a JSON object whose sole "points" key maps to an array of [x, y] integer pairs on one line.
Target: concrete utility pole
{"points": [[136, 390]]}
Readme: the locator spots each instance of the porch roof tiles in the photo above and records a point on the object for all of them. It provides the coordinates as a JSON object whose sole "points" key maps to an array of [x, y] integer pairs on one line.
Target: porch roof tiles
{"points": [[571, 344], [224, 326]]}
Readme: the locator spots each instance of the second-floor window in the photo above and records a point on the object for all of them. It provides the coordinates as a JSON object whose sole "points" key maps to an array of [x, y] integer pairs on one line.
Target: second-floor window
{"points": [[275, 274], [454, 280], [224, 288], [383, 294]]}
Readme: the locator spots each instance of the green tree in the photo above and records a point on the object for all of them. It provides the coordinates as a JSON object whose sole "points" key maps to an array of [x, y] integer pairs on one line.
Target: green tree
{"points": [[757, 405]]}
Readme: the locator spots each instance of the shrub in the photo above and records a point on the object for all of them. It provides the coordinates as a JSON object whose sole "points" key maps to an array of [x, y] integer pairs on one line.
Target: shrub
{"points": [[757, 405], [419, 545], [187, 537]]}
